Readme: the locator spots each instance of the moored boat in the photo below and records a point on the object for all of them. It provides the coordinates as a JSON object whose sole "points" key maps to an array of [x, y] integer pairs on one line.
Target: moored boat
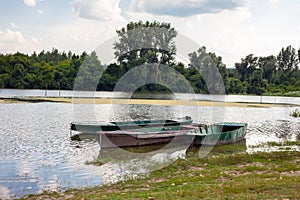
{"points": [[141, 137], [94, 127], [220, 133], [193, 134]]}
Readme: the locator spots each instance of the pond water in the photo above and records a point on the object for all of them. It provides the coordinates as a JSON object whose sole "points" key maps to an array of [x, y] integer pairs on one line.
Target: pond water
{"points": [[37, 154]]}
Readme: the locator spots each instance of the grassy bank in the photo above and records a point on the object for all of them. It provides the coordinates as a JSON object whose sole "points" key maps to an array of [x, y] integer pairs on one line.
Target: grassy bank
{"points": [[35, 100], [220, 175], [287, 94]]}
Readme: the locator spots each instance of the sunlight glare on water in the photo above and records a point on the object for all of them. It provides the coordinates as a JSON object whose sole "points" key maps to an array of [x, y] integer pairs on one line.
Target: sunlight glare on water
{"points": [[37, 154]]}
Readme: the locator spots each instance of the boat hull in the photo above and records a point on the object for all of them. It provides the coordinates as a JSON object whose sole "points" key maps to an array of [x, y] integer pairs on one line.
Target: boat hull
{"points": [[222, 133], [94, 127], [128, 139], [189, 135]]}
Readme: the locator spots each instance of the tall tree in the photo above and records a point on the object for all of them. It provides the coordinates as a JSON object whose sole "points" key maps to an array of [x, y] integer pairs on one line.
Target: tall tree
{"points": [[46, 76], [148, 42], [246, 67], [268, 65], [236, 86], [17, 75], [89, 73], [287, 59], [211, 68], [256, 83], [3, 79]]}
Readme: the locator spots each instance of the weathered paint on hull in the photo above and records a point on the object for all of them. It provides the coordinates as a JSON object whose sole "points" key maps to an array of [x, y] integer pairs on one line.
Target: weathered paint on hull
{"points": [[196, 135], [113, 141], [218, 134], [93, 127]]}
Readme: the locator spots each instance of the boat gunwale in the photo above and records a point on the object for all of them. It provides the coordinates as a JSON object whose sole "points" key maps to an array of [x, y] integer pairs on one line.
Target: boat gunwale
{"points": [[185, 118], [78, 126], [188, 130]]}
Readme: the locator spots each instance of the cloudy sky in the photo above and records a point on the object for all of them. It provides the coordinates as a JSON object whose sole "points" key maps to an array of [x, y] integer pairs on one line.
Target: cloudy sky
{"points": [[230, 28]]}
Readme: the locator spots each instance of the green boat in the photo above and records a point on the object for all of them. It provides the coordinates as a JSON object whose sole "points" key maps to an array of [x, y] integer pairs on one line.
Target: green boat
{"points": [[189, 135], [94, 127], [220, 133]]}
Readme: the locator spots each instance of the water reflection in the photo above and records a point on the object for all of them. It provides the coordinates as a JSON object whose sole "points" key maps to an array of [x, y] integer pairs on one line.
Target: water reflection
{"points": [[283, 130], [142, 112], [37, 154], [118, 164], [35, 151]]}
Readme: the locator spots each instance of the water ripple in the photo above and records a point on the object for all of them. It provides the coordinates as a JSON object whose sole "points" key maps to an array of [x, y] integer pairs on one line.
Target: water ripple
{"points": [[36, 153]]}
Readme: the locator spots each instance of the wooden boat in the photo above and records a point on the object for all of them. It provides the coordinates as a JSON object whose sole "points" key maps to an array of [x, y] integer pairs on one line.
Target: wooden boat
{"points": [[194, 134], [220, 133], [140, 137], [94, 127]]}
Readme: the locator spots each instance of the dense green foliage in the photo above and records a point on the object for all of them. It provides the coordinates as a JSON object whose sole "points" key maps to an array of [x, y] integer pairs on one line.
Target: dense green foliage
{"points": [[48, 70], [155, 43]]}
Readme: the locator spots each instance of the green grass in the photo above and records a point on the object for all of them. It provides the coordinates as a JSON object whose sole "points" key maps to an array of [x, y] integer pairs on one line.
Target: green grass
{"points": [[286, 94], [279, 144], [35, 99], [295, 113], [220, 175]]}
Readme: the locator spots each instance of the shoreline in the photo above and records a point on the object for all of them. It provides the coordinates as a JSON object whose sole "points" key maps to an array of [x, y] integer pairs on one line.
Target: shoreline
{"points": [[227, 173], [162, 102]]}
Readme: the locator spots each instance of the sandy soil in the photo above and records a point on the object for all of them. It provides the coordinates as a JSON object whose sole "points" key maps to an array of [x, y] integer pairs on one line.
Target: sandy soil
{"points": [[137, 101]]}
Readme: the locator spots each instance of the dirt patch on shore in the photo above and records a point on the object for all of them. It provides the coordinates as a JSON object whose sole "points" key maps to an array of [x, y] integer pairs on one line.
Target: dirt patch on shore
{"points": [[137, 101]]}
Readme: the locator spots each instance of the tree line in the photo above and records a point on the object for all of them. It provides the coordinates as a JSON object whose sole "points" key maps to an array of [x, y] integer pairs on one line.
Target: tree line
{"points": [[143, 44]]}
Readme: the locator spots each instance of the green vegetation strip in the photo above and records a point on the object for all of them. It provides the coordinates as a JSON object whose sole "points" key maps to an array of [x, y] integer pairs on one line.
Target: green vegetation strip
{"points": [[276, 74], [261, 175], [35, 100]]}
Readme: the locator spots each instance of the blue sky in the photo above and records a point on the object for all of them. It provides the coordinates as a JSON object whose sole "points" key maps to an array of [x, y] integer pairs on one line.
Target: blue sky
{"points": [[230, 28]]}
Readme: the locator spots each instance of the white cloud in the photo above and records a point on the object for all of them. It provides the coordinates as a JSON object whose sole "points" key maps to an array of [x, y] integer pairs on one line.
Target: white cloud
{"points": [[273, 2], [31, 3], [97, 9], [12, 25], [226, 33], [81, 35], [77, 35], [35, 40], [12, 41], [257, 28], [183, 8], [11, 36], [261, 27], [40, 11]]}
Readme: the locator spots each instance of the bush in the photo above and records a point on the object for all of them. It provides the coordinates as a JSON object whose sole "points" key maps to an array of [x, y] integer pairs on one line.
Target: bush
{"points": [[295, 113]]}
